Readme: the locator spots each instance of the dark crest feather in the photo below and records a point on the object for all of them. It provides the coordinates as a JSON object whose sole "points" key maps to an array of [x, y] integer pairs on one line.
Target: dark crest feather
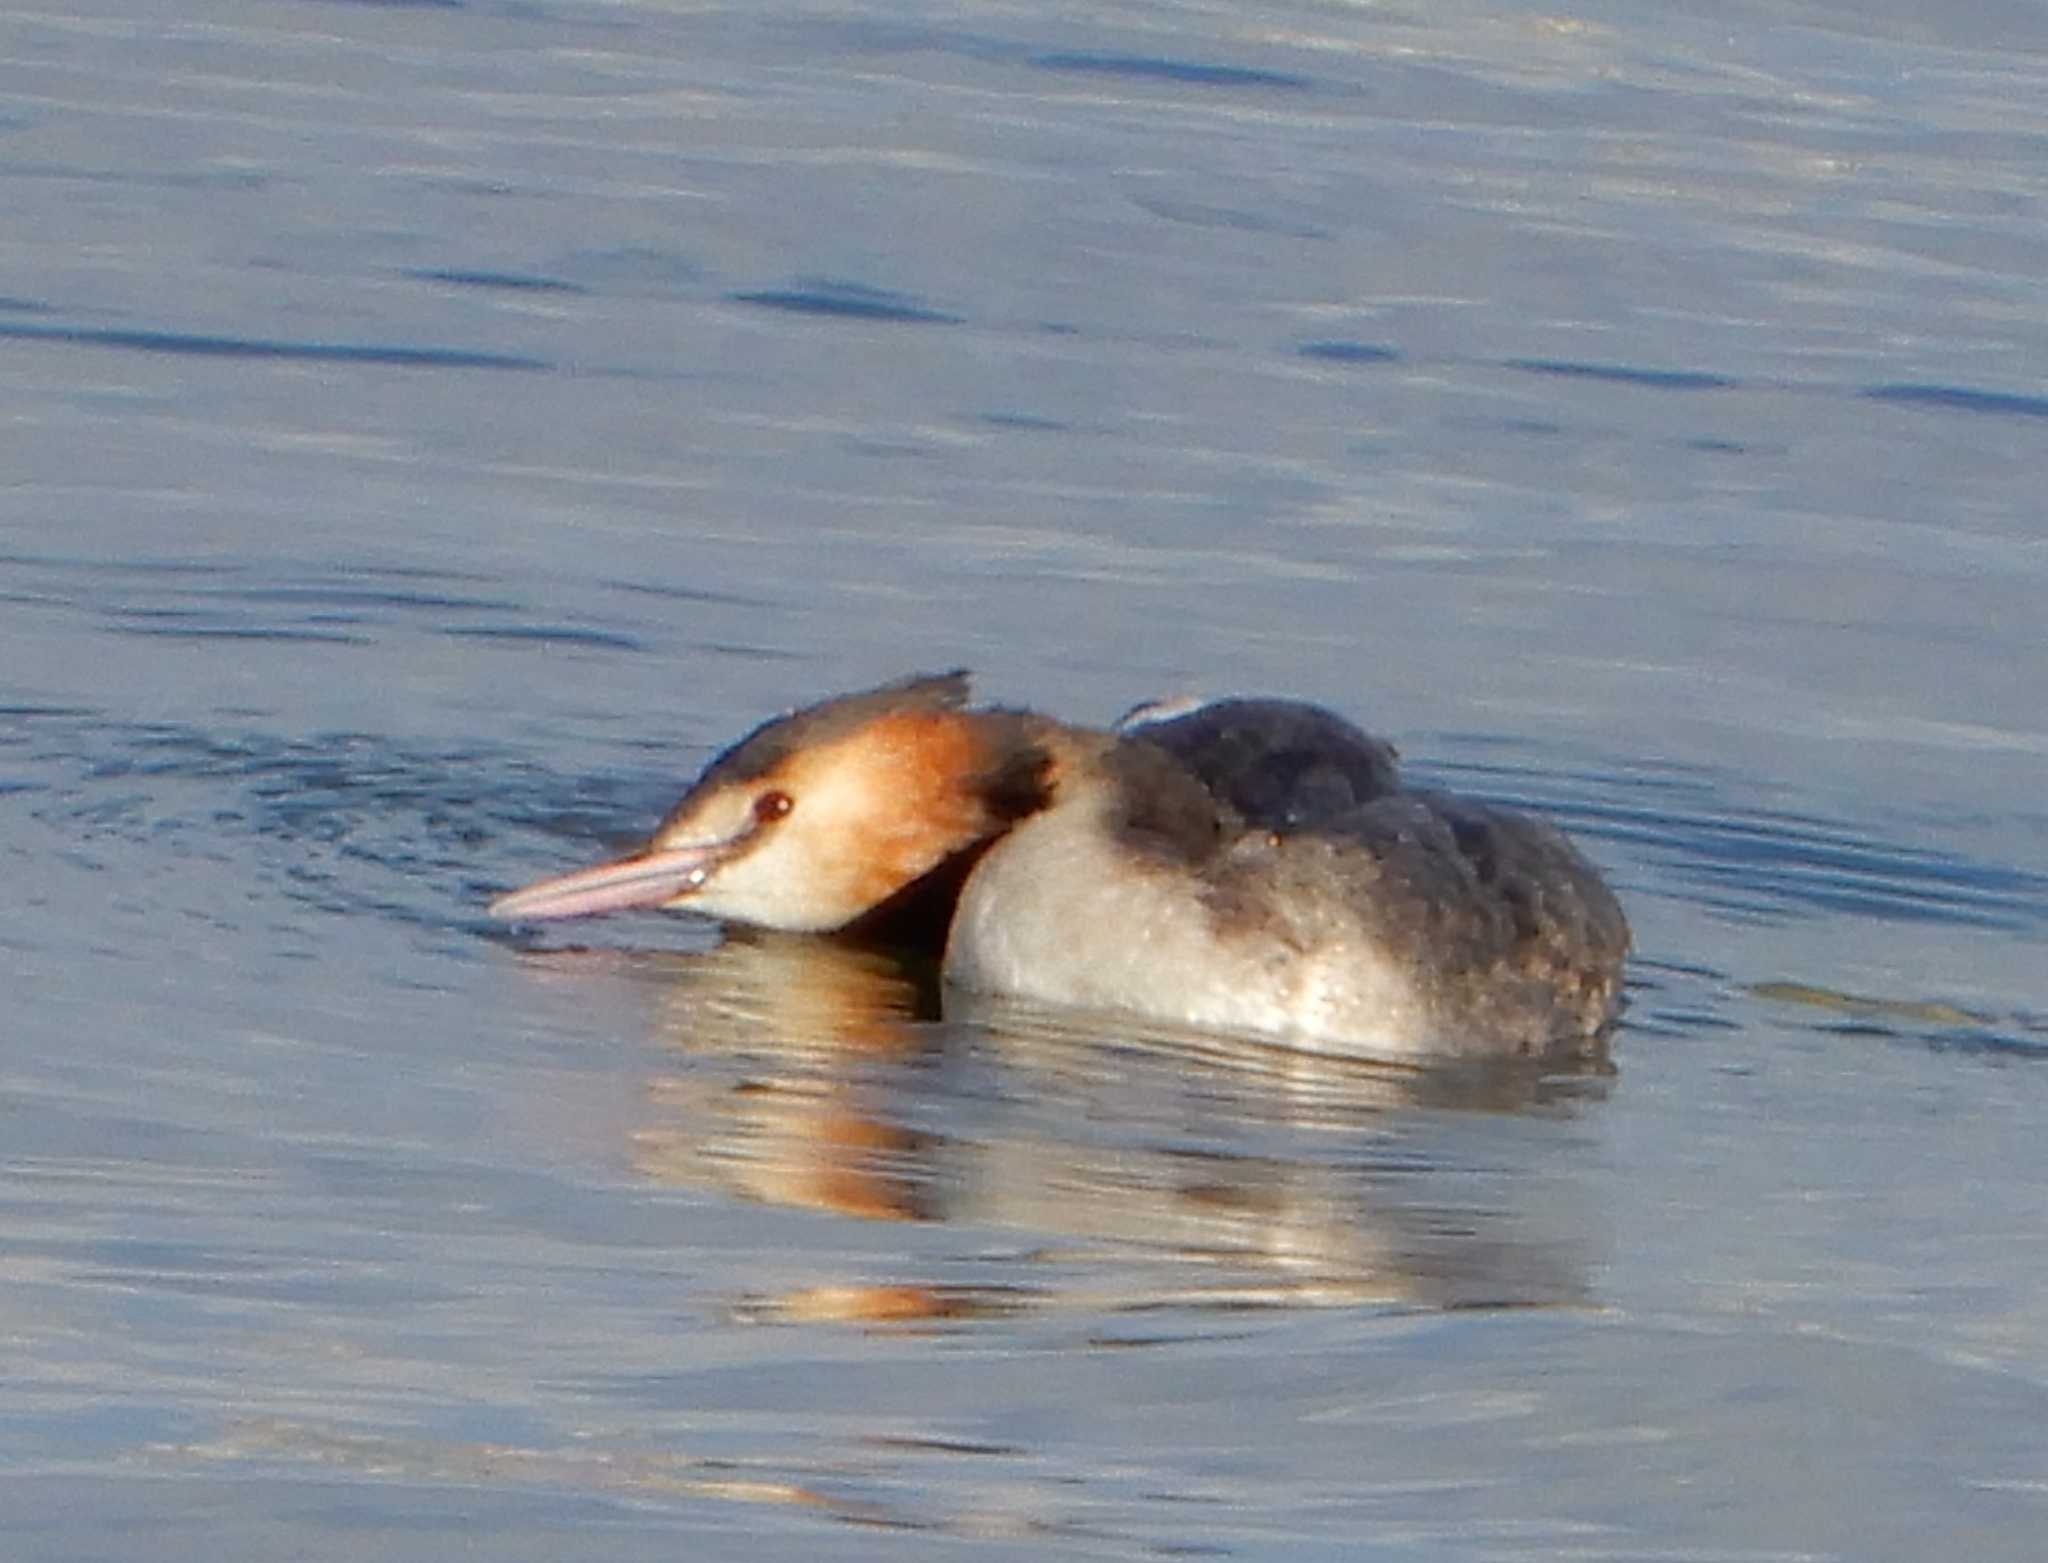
{"points": [[775, 740]]}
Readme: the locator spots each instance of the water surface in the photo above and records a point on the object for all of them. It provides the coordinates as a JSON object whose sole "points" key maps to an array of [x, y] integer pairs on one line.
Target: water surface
{"points": [[432, 429]]}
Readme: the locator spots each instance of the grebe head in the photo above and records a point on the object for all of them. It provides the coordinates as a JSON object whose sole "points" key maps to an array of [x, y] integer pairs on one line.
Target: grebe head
{"points": [[818, 817]]}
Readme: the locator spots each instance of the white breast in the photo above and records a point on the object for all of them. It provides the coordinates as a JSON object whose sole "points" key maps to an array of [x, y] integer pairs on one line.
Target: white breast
{"points": [[1054, 913]]}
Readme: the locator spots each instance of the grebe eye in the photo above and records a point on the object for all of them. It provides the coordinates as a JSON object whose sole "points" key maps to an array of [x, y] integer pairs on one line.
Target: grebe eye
{"points": [[771, 806]]}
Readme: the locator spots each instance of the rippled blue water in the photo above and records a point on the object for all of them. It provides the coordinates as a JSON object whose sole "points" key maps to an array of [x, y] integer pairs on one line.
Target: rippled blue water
{"points": [[432, 429]]}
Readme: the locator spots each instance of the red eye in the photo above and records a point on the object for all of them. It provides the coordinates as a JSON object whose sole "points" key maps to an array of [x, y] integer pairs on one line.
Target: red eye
{"points": [[771, 806]]}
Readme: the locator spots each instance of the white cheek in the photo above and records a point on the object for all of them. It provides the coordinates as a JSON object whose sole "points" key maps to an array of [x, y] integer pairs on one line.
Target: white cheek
{"points": [[773, 886]]}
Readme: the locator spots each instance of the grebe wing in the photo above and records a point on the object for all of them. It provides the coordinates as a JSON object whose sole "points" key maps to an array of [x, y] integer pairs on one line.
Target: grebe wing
{"points": [[1498, 912], [1279, 764]]}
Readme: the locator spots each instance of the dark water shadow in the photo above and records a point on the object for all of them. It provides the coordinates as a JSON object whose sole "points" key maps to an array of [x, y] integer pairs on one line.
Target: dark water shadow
{"points": [[494, 281], [1960, 398], [185, 344], [869, 36], [1343, 350], [1625, 374], [841, 300], [1164, 68]]}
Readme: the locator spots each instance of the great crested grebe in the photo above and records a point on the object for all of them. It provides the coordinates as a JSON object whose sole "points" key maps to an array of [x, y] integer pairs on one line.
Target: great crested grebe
{"points": [[1245, 865]]}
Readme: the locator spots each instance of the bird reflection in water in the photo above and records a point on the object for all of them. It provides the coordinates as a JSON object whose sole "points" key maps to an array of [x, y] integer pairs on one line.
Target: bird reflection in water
{"points": [[1106, 1167]]}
